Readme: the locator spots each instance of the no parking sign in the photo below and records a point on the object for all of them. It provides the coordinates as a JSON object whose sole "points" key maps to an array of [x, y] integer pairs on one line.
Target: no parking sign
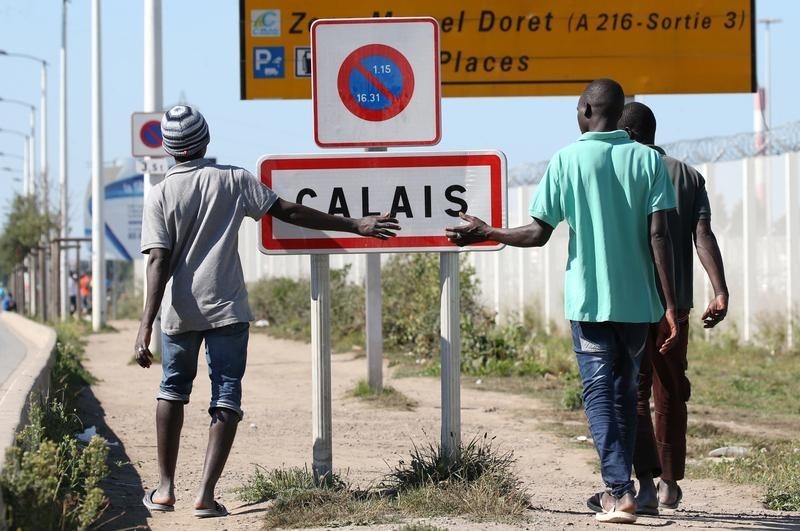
{"points": [[375, 82], [146, 138]]}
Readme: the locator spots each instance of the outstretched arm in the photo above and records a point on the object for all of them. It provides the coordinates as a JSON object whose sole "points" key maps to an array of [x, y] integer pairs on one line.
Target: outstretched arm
{"points": [[661, 246], [710, 256], [376, 226], [157, 276], [534, 234]]}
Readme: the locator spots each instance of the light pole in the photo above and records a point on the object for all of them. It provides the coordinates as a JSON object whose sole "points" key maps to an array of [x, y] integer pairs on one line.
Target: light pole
{"points": [[43, 114], [98, 220], [27, 140], [31, 170], [768, 22], [12, 156], [62, 166], [12, 170]]}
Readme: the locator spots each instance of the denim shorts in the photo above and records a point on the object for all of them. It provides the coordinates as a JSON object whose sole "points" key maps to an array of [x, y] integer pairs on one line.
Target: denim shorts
{"points": [[226, 357]]}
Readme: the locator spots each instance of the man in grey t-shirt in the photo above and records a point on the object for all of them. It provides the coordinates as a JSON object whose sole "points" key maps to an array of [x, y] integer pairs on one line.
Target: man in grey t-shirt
{"points": [[662, 451], [190, 227]]}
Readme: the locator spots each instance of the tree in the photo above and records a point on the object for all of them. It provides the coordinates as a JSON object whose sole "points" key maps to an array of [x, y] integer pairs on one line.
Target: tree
{"points": [[24, 228]]}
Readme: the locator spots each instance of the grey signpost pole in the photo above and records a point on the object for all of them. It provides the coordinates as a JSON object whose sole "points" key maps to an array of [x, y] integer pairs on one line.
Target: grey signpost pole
{"points": [[322, 432], [374, 315], [450, 341]]}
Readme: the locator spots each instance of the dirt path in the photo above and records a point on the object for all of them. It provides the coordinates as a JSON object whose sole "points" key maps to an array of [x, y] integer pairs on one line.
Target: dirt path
{"points": [[277, 431]]}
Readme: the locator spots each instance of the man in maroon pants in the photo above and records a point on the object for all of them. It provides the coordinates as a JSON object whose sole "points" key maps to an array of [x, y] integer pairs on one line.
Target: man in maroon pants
{"points": [[662, 452]]}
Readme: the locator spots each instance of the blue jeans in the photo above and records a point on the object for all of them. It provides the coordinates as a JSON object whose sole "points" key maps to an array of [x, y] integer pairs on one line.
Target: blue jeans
{"points": [[608, 357], [226, 357]]}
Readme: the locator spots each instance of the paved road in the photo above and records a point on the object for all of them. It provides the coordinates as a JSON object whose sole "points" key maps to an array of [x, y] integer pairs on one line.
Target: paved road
{"points": [[12, 351]]}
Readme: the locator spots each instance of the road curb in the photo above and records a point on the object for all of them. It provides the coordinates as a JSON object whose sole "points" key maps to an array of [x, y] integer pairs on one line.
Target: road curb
{"points": [[32, 375]]}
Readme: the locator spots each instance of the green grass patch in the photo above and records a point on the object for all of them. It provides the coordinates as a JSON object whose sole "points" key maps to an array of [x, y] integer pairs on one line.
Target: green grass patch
{"points": [[758, 377], [50, 481], [421, 527], [775, 465], [387, 397], [477, 483]]}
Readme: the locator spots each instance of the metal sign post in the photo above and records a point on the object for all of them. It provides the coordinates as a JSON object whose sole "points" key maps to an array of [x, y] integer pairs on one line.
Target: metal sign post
{"points": [[322, 433], [373, 318], [450, 341]]}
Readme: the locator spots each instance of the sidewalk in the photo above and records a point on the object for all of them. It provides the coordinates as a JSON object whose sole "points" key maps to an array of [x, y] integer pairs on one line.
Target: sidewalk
{"points": [[276, 431]]}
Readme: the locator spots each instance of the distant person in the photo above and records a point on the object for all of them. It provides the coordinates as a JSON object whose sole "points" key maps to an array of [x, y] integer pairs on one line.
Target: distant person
{"points": [[85, 291], [663, 452], [72, 282], [190, 228], [614, 194], [9, 304]]}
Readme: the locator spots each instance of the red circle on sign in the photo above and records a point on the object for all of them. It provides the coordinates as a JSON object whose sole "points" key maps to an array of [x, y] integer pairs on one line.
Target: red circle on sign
{"points": [[354, 62], [150, 134]]}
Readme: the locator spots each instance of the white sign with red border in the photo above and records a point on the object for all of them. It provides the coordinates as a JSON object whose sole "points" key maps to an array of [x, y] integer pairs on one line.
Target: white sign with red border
{"points": [[375, 82], [425, 192], [146, 138]]}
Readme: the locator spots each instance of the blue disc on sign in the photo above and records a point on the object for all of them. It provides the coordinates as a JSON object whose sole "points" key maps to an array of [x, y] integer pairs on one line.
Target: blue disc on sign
{"points": [[150, 134], [375, 73], [375, 82]]}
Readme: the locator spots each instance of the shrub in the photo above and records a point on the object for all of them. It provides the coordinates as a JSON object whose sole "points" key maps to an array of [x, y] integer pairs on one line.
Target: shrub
{"points": [[285, 304], [431, 464], [49, 480], [478, 483], [411, 305]]}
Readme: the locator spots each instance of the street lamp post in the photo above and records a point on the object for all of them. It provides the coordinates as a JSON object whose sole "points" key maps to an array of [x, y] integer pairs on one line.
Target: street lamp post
{"points": [[768, 22], [31, 186], [12, 170], [62, 166], [43, 114], [27, 157]]}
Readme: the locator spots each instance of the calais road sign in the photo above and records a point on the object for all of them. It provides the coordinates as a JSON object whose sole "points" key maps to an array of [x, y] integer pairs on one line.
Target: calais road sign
{"points": [[375, 82], [146, 138], [525, 48], [425, 192]]}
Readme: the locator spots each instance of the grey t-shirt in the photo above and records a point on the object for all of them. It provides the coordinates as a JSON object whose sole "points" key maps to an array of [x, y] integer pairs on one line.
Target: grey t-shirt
{"points": [[693, 205], [195, 213]]}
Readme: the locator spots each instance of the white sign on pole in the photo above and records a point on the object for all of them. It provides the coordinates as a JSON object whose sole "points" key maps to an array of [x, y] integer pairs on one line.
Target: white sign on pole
{"points": [[375, 82], [424, 191], [146, 138], [152, 165]]}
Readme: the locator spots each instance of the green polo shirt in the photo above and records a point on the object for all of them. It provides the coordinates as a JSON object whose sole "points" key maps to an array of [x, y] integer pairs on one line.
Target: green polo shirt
{"points": [[605, 186]]}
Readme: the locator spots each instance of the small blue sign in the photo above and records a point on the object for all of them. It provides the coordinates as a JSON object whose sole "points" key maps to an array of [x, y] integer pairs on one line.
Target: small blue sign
{"points": [[268, 62], [370, 82]]}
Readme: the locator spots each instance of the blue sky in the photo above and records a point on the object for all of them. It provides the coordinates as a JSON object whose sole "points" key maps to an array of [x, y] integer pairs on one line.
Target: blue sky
{"points": [[201, 52]]}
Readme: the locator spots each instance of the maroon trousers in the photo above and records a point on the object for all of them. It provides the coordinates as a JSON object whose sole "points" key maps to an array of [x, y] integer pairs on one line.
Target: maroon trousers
{"points": [[661, 445]]}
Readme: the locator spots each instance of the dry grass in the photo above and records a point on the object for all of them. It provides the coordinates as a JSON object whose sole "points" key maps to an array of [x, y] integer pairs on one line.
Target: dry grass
{"points": [[388, 397]]}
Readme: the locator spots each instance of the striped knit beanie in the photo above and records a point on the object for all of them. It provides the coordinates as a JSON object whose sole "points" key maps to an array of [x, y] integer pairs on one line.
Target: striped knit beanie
{"points": [[184, 130]]}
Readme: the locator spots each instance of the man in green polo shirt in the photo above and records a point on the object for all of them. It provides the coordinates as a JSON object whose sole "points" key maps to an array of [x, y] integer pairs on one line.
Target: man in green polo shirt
{"points": [[614, 194]]}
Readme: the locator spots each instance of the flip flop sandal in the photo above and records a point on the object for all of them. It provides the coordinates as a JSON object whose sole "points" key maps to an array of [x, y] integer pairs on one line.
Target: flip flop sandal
{"points": [[153, 506], [673, 505], [616, 517], [594, 503], [215, 512], [647, 510]]}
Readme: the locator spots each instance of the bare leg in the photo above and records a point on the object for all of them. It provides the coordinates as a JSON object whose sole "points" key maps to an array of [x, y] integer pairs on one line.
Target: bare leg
{"points": [[668, 491], [169, 422], [220, 439], [648, 495]]}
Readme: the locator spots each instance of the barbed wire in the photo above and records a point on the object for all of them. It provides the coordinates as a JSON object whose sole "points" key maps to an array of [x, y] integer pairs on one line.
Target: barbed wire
{"points": [[777, 141]]}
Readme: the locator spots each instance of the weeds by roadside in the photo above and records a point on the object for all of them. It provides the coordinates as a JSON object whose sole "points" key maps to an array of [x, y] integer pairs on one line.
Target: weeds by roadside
{"points": [[388, 397], [50, 481], [479, 483], [773, 464]]}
